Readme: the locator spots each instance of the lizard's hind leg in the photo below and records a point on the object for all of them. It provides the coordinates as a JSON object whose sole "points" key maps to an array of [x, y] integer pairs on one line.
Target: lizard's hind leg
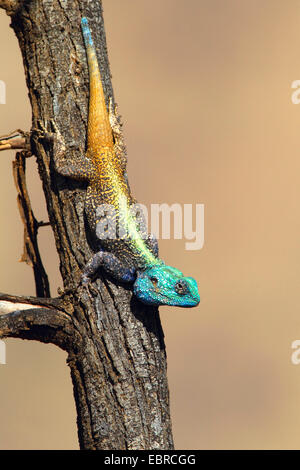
{"points": [[111, 264], [78, 169]]}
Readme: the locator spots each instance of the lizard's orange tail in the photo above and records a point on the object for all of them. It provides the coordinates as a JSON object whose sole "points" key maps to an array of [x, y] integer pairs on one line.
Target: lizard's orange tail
{"points": [[99, 128]]}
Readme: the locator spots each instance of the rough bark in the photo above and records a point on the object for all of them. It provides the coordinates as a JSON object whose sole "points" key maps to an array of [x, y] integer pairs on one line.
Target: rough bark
{"points": [[115, 344]]}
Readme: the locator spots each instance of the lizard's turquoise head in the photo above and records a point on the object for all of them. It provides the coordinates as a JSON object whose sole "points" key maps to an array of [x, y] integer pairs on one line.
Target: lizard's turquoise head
{"points": [[164, 285]]}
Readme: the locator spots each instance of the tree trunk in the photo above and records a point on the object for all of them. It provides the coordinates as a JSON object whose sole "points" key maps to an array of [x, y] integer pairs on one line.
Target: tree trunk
{"points": [[115, 344]]}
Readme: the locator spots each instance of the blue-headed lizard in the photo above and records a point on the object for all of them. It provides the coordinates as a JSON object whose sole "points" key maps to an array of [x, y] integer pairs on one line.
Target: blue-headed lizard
{"points": [[133, 258]]}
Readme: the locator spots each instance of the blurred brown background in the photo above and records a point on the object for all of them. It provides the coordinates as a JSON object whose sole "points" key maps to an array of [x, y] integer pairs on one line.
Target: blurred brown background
{"points": [[208, 116]]}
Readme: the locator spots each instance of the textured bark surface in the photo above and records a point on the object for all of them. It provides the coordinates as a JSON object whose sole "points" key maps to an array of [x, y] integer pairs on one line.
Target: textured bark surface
{"points": [[115, 344]]}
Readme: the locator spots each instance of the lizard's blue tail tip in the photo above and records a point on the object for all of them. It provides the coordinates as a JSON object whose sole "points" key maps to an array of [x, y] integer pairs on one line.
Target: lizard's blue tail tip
{"points": [[86, 31]]}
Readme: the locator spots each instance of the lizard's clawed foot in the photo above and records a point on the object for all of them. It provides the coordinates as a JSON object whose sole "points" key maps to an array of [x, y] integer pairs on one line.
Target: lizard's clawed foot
{"points": [[84, 280], [41, 131], [52, 135], [86, 286]]}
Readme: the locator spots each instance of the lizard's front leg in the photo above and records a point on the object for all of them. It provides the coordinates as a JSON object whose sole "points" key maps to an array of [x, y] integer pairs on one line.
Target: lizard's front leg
{"points": [[111, 264]]}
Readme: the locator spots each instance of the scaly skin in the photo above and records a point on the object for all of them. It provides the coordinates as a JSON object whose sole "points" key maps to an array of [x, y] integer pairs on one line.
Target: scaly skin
{"points": [[133, 258]]}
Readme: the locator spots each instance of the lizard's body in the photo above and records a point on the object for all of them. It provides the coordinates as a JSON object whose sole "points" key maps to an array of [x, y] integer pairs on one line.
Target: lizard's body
{"points": [[133, 258]]}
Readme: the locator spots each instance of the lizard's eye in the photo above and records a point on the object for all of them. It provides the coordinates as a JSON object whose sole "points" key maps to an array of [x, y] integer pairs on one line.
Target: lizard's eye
{"points": [[154, 281], [181, 287]]}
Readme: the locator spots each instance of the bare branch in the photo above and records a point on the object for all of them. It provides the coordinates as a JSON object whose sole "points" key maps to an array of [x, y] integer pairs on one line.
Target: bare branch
{"points": [[27, 321], [56, 303], [31, 254], [15, 140], [43, 224], [11, 6], [10, 307]]}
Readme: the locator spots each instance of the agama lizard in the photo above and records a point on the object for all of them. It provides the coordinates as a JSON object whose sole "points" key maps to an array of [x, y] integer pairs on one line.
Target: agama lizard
{"points": [[133, 258]]}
